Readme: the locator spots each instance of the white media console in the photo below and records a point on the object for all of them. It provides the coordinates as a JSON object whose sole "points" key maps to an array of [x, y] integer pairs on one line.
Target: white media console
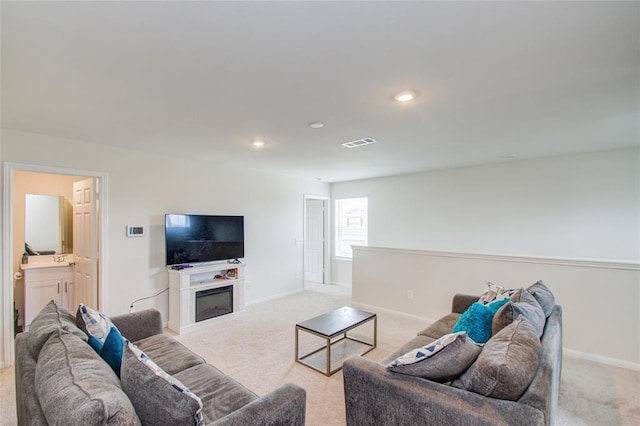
{"points": [[185, 283]]}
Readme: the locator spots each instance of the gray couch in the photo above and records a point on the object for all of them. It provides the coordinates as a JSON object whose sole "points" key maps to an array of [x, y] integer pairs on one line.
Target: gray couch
{"points": [[376, 396], [60, 379]]}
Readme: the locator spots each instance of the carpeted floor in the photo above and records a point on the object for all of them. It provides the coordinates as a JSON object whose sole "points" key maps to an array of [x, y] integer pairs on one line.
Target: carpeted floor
{"points": [[256, 347]]}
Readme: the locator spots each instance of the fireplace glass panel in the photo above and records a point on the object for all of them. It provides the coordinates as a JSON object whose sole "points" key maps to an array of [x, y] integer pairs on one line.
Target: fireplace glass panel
{"points": [[214, 302]]}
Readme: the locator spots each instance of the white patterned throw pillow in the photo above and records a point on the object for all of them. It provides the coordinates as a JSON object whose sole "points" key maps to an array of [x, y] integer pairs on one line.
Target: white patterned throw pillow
{"points": [[93, 323], [441, 361], [420, 354]]}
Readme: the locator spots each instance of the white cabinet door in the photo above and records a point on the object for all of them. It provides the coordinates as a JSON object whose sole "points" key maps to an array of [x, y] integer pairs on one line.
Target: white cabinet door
{"points": [[37, 295], [67, 294]]}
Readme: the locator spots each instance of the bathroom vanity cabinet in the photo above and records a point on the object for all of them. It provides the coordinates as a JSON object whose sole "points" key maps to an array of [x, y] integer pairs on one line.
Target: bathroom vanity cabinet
{"points": [[43, 284]]}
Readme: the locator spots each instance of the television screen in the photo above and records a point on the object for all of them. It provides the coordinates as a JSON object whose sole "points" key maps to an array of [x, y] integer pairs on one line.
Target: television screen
{"points": [[200, 238]]}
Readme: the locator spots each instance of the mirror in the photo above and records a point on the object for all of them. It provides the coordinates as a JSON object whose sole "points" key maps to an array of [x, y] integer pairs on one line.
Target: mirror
{"points": [[48, 227]]}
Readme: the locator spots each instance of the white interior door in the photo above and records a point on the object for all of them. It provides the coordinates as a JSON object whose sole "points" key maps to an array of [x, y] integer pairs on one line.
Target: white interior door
{"points": [[85, 247], [314, 241]]}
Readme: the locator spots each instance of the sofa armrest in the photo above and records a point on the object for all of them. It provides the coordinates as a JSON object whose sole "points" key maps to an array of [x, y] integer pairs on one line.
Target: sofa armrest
{"points": [[375, 396], [139, 325], [461, 302], [284, 406]]}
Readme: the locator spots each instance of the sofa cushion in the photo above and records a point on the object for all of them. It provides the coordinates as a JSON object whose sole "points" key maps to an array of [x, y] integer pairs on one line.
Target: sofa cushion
{"points": [[507, 364], [544, 297], [75, 387], [157, 397], [53, 317], [476, 321], [441, 327], [169, 354], [93, 323], [522, 303], [441, 361], [220, 394]]}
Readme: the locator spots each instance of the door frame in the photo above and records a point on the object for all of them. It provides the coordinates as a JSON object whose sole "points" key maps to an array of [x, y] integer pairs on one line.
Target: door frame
{"points": [[7, 242], [326, 252]]}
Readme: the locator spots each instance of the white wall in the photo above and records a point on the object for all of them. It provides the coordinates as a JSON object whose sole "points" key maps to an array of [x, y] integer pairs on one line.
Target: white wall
{"points": [[574, 206], [599, 300], [583, 206], [341, 271], [142, 187]]}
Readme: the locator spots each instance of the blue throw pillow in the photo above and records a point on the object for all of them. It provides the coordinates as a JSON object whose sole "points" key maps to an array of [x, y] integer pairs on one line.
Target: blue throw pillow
{"points": [[476, 320], [95, 343], [112, 350]]}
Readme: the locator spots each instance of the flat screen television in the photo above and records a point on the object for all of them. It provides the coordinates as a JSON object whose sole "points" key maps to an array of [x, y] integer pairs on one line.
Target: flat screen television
{"points": [[194, 238]]}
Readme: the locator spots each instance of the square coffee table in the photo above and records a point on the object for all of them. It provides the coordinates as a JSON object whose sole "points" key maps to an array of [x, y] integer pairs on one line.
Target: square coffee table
{"points": [[336, 324]]}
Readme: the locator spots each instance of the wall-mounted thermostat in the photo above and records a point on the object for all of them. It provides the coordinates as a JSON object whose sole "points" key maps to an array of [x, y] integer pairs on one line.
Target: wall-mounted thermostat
{"points": [[135, 231]]}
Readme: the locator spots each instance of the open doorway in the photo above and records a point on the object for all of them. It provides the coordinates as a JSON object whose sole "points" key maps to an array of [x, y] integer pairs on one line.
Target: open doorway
{"points": [[316, 247], [77, 243]]}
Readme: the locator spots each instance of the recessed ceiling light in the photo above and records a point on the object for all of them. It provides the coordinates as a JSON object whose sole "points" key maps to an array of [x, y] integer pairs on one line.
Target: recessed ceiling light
{"points": [[316, 124], [258, 144], [406, 96]]}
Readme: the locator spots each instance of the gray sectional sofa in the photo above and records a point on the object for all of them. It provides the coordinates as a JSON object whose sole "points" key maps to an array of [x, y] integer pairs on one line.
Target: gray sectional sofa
{"points": [[375, 395], [61, 380]]}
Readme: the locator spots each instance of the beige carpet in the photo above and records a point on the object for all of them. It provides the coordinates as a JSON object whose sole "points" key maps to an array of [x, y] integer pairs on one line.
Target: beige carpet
{"points": [[256, 347]]}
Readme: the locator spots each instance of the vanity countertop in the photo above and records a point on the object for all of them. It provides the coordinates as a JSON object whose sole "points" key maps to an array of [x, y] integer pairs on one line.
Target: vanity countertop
{"points": [[48, 261]]}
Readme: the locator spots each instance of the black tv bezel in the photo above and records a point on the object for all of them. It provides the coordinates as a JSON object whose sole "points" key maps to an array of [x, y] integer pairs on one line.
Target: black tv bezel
{"points": [[203, 262]]}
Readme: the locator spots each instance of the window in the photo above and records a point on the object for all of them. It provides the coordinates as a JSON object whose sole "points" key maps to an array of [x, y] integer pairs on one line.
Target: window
{"points": [[351, 225]]}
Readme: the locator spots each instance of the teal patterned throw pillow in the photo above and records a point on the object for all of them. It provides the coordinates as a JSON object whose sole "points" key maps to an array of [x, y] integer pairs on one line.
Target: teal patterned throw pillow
{"points": [[476, 320]]}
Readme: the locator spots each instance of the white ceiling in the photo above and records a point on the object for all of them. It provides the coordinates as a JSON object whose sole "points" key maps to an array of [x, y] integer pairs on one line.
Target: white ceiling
{"points": [[202, 79]]}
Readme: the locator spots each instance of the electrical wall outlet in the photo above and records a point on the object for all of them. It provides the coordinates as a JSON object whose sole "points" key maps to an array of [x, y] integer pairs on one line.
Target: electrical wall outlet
{"points": [[409, 294]]}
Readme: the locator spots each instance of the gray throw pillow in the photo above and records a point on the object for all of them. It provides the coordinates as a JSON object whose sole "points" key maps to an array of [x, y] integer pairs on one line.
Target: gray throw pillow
{"points": [[544, 297], [507, 364], [74, 386], [53, 317], [158, 397], [522, 303], [441, 361]]}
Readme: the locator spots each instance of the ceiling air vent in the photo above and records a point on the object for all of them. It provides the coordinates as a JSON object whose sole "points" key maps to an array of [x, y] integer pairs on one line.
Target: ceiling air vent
{"points": [[359, 142]]}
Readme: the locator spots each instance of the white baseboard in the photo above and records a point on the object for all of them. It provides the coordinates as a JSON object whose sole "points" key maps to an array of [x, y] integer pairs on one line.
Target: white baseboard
{"points": [[340, 284], [268, 298], [601, 359]]}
